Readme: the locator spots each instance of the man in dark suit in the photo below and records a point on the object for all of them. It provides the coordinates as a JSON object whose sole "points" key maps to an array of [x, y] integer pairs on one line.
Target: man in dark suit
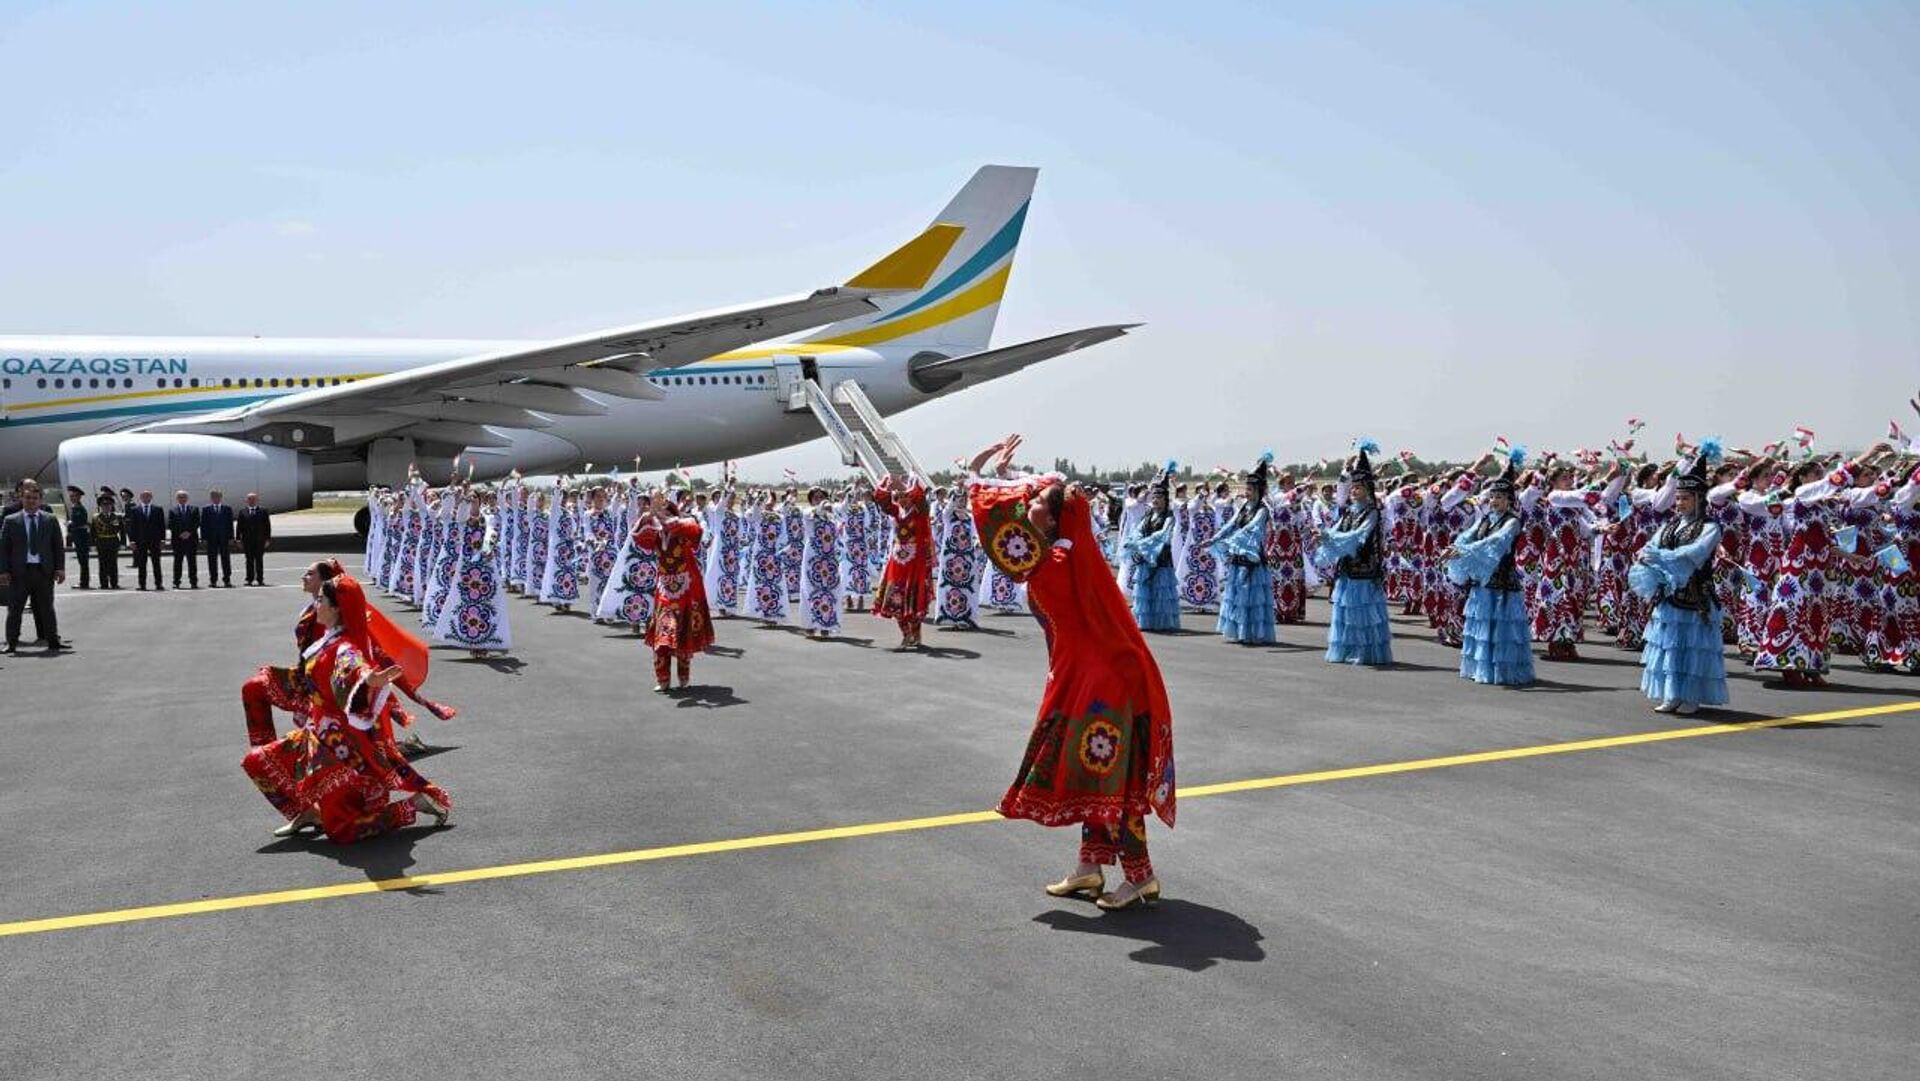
{"points": [[216, 532], [256, 531], [33, 559], [146, 531], [183, 529], [80, 528]]}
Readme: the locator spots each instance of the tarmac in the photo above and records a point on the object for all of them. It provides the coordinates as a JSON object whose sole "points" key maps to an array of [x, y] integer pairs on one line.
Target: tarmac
{"points": [[792, 869]]}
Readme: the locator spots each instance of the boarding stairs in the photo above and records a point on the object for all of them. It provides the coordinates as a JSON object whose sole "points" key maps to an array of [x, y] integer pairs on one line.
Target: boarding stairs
{"points": [[857, 430]]}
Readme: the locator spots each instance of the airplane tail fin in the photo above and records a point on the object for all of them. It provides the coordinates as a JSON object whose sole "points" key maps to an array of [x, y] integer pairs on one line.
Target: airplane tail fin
{"points": [[954, 310]]}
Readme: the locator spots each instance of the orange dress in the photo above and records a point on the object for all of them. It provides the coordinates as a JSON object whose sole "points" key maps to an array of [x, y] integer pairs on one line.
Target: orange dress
{"points": [[1101, 751]]}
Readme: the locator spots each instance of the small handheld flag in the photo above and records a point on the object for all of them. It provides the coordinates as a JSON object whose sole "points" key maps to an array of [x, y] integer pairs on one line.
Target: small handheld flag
{"points": [[1846, 537], [1893, 559]]}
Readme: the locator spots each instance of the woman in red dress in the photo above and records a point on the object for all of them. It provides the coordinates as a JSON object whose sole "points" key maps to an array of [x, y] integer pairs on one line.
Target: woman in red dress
{"points": [[274, 687], [906, 588], [340, 771], [680, 625], [1101, 751]]}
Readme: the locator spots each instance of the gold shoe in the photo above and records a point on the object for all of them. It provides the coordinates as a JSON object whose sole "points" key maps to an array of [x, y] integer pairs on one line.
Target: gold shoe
{"points": [[434, 807], [1076, 885], [1146, 893]]}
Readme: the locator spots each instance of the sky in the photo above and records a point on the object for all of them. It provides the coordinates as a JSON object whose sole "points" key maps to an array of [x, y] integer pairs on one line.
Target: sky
{"points": [[1424, 224]]}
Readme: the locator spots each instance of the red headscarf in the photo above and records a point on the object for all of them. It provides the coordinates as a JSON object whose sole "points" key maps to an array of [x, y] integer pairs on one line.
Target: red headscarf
{"points": [[365, 627]]}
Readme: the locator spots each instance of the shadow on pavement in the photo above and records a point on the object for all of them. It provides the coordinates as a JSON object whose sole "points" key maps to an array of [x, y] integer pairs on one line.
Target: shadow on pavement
{"points": [[705, 696], [1555, 686], [386, 856], [507, 665], [946, 653], [1179, 934]]}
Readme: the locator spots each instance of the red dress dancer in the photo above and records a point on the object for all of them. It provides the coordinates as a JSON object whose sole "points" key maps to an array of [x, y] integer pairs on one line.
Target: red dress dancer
{"points": [[906, 587], [274, 687], [1101, 750], [341, 770], [680, 625]]}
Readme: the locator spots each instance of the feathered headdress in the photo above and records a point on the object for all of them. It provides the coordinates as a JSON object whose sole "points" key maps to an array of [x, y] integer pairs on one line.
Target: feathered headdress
{"points": [[1509, 479], [1362, 466], [1695, 478], [1163, 484], [1257, 476]]}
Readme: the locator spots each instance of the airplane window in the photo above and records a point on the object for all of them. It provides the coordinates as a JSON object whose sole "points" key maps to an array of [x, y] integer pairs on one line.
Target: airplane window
{"points": [[159, 382], [273, 382], [59, 383], [92, 383], [5, 383], [176, 382], [227, 381], [193, 382], [259, 382], [43, 384], [703, 380], [305, 381]]}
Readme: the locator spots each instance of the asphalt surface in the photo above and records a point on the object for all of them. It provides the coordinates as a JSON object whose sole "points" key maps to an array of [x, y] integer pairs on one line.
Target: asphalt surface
{"points": [[1735, 906]]}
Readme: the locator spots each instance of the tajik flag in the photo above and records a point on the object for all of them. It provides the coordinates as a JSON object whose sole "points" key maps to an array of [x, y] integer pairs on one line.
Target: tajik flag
{"points": [[1803, 436]]}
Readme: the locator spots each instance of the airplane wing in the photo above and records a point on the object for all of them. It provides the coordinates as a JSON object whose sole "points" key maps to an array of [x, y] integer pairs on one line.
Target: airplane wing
{"points": [[456, 400], [988, 364]]}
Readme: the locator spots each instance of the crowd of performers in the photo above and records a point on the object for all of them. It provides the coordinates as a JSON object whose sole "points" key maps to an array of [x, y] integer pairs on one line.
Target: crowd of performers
{"points": [[1791, 561]]}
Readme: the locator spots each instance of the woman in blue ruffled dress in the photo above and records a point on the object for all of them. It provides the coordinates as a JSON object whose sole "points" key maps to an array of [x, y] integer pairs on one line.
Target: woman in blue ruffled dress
{"points": [[1494, 639], [1359, 632], [1246, 601], [1153, 592], [1681, 665]]}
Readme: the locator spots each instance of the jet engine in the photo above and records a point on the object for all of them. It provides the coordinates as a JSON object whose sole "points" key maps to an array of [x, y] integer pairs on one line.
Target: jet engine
{"points": [[194, 464]]}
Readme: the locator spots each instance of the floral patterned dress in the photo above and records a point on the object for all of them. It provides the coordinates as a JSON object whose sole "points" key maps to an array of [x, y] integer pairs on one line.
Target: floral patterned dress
{"points": [[1286, 558], [959, 569], [1101, 748], [680, 624], [906, 586], [342, 765], [1895, 642], [822, 595], [540, 532], [1200, 577], [856, 563], [769, 563], [723, 564], [473, 614], [1562, 582], [1794, 634], [560, 584], [1448, 514], [603, 541], [794, 520]]}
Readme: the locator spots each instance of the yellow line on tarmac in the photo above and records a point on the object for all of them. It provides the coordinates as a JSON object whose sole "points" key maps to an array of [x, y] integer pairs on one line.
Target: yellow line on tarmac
{"points": [[905, 825]]}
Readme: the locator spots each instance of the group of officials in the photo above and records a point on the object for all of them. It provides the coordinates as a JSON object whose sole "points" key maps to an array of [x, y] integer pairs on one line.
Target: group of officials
{"points": [[33, 547]]}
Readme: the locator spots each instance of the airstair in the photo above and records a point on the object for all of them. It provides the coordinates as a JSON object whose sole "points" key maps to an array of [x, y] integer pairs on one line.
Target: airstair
{"points": [[855, 426]]}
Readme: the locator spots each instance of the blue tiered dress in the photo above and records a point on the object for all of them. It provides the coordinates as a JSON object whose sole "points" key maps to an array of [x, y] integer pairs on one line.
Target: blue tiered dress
{"points": [[1155, 593], [1681, 660], [1246, 604], [1359, 633], [1494, 640]]}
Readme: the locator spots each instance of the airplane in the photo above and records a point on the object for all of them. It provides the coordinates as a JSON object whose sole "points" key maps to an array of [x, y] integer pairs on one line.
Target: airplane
{"points": [[286, 417]]}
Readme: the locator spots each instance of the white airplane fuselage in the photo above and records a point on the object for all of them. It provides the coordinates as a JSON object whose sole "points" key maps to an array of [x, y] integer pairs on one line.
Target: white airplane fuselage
{"points": [[54, 388]]}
